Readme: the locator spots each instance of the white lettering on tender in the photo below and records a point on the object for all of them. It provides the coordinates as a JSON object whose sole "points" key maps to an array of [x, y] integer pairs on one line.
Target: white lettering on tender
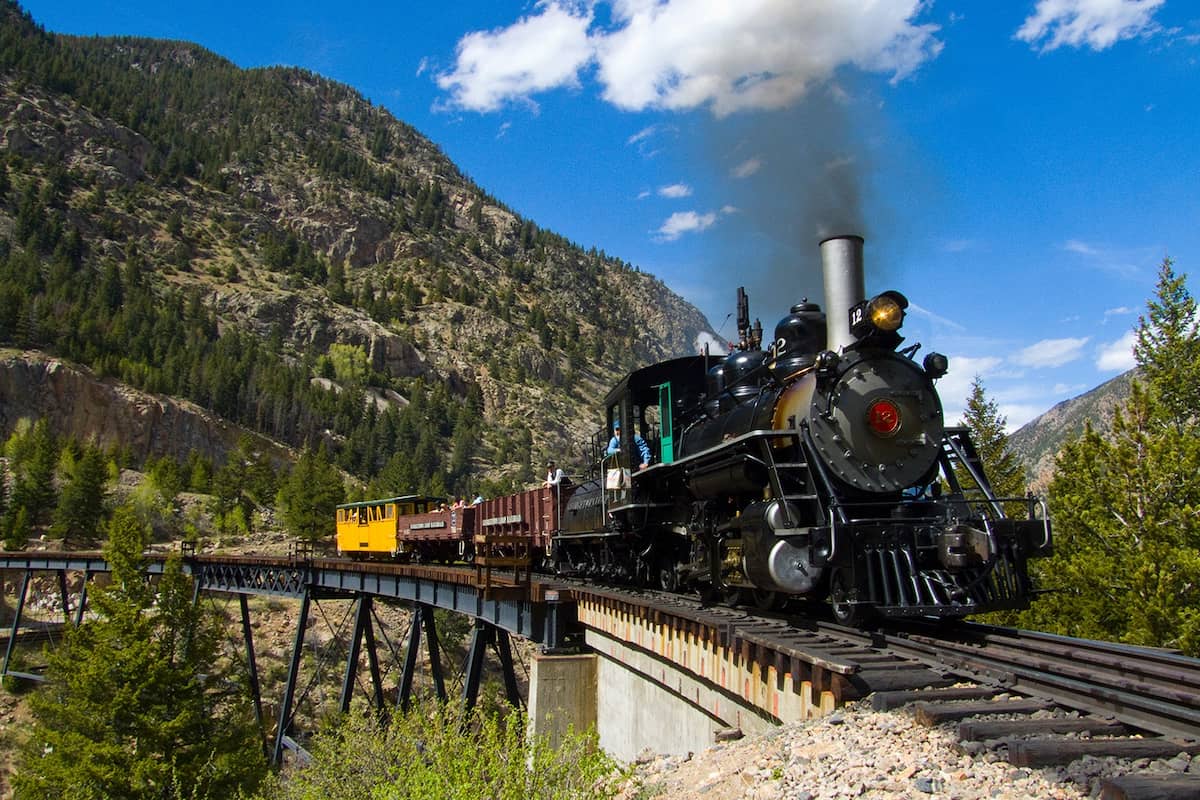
{"points": [[509, 520]]}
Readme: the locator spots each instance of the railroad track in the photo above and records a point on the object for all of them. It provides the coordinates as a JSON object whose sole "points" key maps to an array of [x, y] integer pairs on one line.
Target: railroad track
{"points": [[1034, 699], [1081, 698], [1149, 689]]}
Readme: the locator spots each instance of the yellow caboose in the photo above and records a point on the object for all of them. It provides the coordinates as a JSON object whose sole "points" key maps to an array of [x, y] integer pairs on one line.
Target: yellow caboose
{"points": [[369, 527]]}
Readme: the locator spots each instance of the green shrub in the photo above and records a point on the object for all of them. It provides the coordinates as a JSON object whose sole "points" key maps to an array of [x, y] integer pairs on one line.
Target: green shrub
{"points": [[433, 755]]}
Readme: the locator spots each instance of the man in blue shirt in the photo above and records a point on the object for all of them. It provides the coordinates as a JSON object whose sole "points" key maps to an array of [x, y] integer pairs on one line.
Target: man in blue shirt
{"points": [[614, 445]]}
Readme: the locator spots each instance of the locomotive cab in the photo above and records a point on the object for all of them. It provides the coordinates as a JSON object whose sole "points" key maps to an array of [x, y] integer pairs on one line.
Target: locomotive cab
{"points": [[655, 403]]}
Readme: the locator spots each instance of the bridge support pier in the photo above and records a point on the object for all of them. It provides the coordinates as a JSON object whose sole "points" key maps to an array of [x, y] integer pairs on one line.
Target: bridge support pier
{"points": [[289, 691], [422, 618], [484, 634], [647, 702], [252, 671], [562, 695], [363, 629], [16, 624], [82, 599]]}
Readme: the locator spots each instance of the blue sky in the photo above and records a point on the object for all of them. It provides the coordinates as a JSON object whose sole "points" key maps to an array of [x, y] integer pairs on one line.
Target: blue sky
{"points": [[1019, 169]]}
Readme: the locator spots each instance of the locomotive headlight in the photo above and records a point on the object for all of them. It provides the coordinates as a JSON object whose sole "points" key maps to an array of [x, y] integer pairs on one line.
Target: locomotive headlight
{"points": [[883, 418], [883, 313], [887, 311]]}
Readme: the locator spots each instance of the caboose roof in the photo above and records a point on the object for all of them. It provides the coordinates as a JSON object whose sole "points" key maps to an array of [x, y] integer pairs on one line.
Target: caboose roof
{"points": [[406, 498]]}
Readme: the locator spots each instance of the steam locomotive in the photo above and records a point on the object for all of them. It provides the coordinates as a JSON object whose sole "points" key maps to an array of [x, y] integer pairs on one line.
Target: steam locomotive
{"points": [[816, 468]]}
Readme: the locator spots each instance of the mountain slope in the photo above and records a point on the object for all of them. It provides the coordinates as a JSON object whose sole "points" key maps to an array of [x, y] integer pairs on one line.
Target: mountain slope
{"points": [[1038, 441], [278, 214]]}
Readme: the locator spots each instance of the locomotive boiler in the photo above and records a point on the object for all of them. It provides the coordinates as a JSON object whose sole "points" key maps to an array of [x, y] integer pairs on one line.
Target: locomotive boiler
{"points": [[817, 467]]}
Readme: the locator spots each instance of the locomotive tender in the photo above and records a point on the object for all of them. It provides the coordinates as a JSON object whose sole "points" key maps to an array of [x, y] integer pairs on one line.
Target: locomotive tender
{"points": [[817, 468]]}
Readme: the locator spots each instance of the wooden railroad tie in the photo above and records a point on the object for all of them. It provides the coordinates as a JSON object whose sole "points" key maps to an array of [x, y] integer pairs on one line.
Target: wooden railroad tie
{"points": [[931, 714], [1151, 787], [1045, 752]]}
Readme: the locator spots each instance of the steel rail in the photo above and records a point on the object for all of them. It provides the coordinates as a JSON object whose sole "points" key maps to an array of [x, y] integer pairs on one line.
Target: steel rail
{"points": [[1148, 689]]}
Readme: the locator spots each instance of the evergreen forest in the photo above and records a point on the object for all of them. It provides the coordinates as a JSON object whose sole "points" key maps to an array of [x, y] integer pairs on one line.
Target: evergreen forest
{"points": [[268, 247]]}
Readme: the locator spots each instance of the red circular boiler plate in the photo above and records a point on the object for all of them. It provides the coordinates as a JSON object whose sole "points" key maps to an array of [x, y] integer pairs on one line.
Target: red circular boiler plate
{"points": [[883, 418]]}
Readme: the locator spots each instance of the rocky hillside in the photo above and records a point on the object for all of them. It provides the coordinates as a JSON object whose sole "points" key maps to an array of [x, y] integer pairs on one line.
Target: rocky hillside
{"points": [[1037, 442], [281, 207]]}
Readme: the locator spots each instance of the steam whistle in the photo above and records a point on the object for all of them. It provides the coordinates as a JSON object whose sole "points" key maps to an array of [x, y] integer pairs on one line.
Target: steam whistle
{"points": [[748, 338]]}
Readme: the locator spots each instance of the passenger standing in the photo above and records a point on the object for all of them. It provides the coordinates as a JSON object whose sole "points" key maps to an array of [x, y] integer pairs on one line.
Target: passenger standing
{"points": [[614, 445], [554, 475]]}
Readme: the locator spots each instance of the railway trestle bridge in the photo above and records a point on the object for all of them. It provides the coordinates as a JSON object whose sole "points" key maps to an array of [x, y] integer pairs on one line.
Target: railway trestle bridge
{"points": [[648, 670]]}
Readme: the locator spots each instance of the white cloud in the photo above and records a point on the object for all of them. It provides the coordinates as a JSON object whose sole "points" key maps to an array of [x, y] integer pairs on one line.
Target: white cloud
{"points": [[642, 135], [1083, 248], [955, 385], [500, 134], [957, 245], [534, 54], [747, 168], [1098, 24], [687, 54], [675, 190], [1051, 352], [642, 195], [1120, 261], [1117, 356], [1017, 414], [1119, 311], [645, 139], [682, 222]]}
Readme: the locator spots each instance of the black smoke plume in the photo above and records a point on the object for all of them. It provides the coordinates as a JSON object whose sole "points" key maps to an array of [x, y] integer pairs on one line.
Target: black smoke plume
{"points": [[812, 183]]}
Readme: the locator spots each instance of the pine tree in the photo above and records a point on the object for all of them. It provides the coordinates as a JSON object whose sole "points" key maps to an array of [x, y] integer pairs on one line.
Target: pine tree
{"points": [[80, 506], [137, 704], [986, 423], [310, 495], [32, 454], [1168, 346], [17, 529], [1127, 536]]}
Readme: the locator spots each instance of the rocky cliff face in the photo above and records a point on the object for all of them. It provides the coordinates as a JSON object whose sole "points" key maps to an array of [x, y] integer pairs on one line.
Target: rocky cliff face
{"points": [[90, 409]]}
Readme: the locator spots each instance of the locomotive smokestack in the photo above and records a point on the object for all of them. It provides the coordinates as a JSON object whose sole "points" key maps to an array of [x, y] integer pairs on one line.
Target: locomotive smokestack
{"points": [[842, 264]]}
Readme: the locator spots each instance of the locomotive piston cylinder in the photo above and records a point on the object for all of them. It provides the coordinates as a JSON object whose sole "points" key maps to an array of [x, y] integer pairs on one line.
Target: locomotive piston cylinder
{"points": [[775, 556], [845, 285]]}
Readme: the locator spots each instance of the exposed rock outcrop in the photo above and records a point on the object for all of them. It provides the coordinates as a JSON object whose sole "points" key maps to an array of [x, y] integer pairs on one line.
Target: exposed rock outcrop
{"points": [[103, 411]]}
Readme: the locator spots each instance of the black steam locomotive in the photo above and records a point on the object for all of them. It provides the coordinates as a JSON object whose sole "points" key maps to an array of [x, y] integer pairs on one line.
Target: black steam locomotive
{"points": [[819, 467]]}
